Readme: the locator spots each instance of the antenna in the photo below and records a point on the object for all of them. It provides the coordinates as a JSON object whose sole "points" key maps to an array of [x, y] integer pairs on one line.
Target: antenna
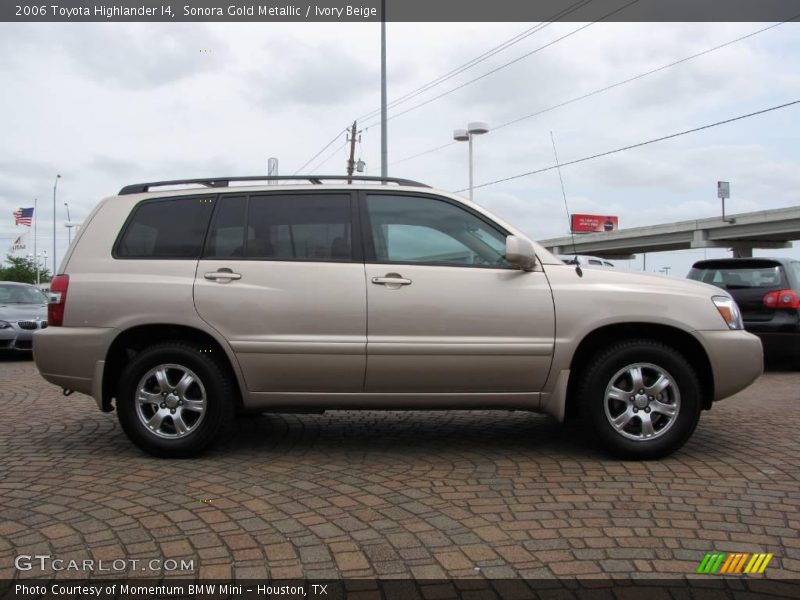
{"points": [[578, 269]]}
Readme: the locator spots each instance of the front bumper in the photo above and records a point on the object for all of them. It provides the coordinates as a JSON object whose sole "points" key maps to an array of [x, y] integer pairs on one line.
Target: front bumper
{"points": [[17, 339], [736, 357], [74, 357]]}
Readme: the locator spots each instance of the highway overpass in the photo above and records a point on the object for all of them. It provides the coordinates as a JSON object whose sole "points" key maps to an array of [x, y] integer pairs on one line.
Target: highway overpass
{"points": [[740, 233]]}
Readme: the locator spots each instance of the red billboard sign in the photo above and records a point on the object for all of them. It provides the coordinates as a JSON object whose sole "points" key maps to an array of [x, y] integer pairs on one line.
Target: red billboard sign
{"points": [[592, 223]]}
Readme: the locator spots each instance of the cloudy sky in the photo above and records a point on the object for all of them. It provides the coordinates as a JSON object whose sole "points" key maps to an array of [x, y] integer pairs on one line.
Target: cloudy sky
{"points": [[107, 104]]}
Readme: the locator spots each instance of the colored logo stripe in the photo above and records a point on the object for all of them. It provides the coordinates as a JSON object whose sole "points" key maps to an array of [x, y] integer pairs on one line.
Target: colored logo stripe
{"points": [[734, 564]]}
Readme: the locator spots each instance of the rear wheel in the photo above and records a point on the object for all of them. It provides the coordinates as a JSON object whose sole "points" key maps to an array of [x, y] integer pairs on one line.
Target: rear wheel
{"points": [[173, 400], [641, 398]]}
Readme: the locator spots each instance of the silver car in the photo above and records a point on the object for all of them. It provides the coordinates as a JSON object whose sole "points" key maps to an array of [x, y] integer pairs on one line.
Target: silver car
{"points": [[23, 310], [179, 307]]}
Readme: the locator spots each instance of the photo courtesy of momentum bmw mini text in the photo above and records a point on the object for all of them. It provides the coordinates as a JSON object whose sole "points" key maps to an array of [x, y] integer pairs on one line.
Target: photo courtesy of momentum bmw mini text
{"points": [[400, 299]]}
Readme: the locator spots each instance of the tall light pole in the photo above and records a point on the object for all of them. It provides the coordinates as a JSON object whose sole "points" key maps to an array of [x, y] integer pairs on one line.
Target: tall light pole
{"points": [[384, 142], [55, 187], [466, 135], [68, 226]]}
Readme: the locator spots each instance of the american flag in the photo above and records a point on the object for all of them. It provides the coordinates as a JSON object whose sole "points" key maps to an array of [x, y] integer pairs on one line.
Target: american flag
{"points": [[23, 216]]}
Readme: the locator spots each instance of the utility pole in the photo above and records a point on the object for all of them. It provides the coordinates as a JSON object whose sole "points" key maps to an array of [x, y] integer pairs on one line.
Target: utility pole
{"points": [[351, 162]]}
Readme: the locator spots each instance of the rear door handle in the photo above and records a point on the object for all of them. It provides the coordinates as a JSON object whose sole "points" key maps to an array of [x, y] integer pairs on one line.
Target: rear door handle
{"points": [[391, 280], [223, 273]]}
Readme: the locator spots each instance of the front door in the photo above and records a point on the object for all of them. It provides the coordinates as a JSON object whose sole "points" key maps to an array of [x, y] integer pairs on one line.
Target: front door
{"points": [[282, 281], [446, 312]]}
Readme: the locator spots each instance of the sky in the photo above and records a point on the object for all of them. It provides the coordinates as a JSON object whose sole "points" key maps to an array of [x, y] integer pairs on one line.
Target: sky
{"points": [[108, 104]]}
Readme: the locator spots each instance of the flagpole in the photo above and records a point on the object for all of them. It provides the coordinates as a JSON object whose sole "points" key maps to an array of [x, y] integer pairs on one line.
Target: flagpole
{"points": [[35, 256]]}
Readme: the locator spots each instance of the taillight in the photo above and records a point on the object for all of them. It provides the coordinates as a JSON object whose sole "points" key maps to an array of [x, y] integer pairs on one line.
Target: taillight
{"points": [[58, 300], [782, 299]]}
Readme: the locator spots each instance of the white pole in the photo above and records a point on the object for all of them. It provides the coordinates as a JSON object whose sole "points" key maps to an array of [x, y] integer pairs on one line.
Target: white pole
{"points": [[384, 142], [470, 166], [35, 256]]}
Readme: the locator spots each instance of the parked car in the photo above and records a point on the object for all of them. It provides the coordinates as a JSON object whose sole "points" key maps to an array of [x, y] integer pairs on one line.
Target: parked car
{"points": [[180, 307], [767, 291], [23, 310], [583, 260]]}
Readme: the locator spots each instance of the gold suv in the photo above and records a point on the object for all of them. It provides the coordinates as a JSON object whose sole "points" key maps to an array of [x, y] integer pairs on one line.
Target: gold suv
{"points": [[182, 302]]}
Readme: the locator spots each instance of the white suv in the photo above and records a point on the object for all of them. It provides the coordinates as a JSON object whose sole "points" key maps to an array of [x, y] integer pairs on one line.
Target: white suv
{"points": [[180, 307]]}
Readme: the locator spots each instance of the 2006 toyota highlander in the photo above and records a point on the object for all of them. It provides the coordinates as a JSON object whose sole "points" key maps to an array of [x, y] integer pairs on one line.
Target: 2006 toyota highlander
{"points": [[181, 307]]}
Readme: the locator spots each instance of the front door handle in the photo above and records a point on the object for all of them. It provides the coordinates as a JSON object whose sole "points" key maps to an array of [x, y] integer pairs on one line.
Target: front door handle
{"points": [[391, 279], [222, 274]]}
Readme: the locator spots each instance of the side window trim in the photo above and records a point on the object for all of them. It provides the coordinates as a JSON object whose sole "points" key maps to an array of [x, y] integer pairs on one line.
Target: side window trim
{"points": [[368, 241], [357, 251]]}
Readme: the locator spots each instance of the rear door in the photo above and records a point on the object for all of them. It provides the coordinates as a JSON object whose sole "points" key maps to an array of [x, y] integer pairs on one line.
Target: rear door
{"points": [[282, 281], [446, 312]]}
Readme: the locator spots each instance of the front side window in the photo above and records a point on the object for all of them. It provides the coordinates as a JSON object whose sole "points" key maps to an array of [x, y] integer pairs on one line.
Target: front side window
{"points": [[169, 228], [411, 229]]}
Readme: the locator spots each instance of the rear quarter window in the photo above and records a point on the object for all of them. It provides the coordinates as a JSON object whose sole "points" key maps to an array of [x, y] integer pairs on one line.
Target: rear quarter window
{"points": [[166, 228]]}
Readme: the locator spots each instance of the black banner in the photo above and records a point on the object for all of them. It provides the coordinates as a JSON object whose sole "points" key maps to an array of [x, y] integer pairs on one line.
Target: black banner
{"points": [[403, 589], [398, 10]]}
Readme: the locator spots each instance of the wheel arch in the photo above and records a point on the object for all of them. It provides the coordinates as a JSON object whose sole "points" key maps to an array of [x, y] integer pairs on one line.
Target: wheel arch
{"points": [[132, 341], [682, 341]]}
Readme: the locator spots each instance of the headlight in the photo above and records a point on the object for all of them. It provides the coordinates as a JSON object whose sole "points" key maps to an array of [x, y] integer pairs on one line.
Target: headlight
{"points": [[4, 324], [729, 310]]}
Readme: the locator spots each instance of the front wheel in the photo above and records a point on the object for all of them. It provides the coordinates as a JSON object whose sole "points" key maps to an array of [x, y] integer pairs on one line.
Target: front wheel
{"points": [[173, 400], [641, 398]]}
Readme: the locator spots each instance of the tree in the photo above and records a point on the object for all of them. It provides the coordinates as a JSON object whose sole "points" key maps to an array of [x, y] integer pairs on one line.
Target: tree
{"points": [[22, 270]]}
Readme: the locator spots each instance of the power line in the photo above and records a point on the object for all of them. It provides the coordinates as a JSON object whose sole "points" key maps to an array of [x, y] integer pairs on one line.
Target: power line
{"points": [[480, 58], [609, 87], [638, 145], [325, 147], [330, 156], [509, 63], [641, 75]]}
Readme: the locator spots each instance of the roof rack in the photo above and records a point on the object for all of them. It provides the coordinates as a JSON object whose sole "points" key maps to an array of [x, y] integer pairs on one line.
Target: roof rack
{"points": [[217, 182]]}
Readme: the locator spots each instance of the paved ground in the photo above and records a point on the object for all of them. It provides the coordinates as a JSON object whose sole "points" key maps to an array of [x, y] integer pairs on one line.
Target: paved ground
{"points": [[395, 494]]}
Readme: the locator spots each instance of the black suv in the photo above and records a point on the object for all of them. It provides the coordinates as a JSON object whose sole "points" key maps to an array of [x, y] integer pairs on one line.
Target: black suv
{"points": [[767, 291]]}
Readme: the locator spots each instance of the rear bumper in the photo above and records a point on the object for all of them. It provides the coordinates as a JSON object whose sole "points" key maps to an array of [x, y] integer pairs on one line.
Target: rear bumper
{"points": [[780, 345], [73, 357], [737, 359]]}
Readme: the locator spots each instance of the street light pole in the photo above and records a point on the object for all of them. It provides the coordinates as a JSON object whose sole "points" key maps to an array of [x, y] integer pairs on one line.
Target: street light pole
{"points": [[55, 187], [466, 135], [384, 142]]}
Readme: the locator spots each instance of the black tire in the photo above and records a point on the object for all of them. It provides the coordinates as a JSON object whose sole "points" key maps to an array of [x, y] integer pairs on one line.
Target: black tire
{"points": [[215, 385], [603, 370]]}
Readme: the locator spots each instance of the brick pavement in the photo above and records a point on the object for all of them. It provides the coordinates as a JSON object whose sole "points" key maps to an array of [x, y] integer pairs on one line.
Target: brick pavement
{"points": [[397, 494]]}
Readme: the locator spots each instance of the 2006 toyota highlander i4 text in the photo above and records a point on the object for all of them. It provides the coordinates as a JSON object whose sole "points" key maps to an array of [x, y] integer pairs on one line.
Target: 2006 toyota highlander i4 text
{"points": [[182, 307]]}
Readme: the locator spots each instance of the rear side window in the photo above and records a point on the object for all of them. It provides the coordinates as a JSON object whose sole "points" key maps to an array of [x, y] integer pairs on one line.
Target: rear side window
{"points": [[168, 228], [312, 227]]}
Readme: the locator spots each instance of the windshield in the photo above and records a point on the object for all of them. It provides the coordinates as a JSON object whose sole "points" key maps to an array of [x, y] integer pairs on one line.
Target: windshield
{"points": [[21, 294]]}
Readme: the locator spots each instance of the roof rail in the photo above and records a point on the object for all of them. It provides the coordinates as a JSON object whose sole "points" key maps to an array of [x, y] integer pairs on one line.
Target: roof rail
{"points": [[217, 182]]}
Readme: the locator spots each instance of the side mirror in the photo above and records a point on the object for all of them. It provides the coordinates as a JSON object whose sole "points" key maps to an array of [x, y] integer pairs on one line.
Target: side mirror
{"points": [[520, 253]]}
